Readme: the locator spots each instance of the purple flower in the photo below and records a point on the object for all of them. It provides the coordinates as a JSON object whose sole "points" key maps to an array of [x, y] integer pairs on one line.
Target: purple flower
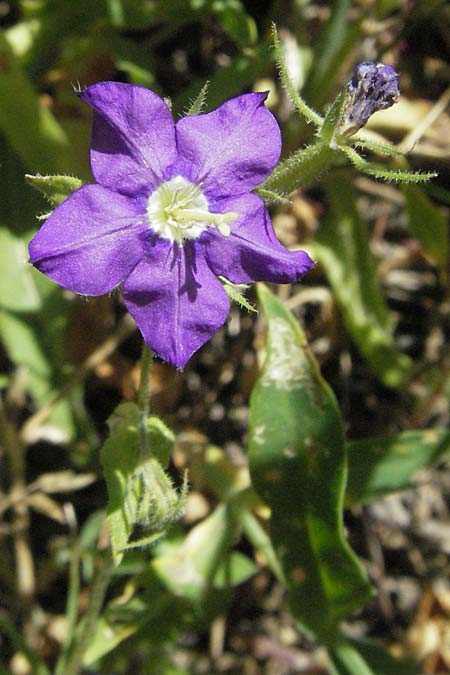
{"points": [[171, 210], [373, 87]]}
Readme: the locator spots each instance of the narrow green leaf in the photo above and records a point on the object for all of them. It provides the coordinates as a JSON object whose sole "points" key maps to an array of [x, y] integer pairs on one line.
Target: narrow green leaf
{"points": [[55, 188], [235, 293], [332, 119], [379, 466], [298, 466], [427, 224], [342, 248], [348, 661], [336, 40], [199, 101]]}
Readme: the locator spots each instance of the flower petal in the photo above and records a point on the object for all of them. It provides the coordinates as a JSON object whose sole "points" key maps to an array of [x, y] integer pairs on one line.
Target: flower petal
{"points": [[252, 252], [133, 137], [91, 242], [175, 300], [233, 148]]}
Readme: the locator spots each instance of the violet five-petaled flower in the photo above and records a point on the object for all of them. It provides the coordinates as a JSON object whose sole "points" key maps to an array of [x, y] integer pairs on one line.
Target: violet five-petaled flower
{"points": [[373, 87], [171, 210]]}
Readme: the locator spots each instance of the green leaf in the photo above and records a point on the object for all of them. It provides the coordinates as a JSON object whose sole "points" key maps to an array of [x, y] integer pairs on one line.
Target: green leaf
{"points": [[336, 40], [342, 248], [379, 466], [260, 541], [149, 606], [298, 466], [189, 569], [22, 339], [55, 188], [18, 290], [199, 101], [235, 293], [346, 660], [35, 314], [427, 224], [30, 128], [381, 662], [234, 570], [120, 458], [332, 119]]}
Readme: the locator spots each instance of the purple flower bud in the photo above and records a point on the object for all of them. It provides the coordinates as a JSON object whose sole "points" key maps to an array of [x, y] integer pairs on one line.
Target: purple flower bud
{"points": [[373, 87]]}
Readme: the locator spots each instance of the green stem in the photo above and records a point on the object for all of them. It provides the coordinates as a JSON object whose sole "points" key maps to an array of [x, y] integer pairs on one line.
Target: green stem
{"points": [[302, 107], [143, 399], [300, 169], [98, 592], [71, 609]]}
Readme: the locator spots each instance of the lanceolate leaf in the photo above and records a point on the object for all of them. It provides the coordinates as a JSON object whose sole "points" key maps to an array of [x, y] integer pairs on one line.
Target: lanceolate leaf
{"points": [[378, 466], [55, 188], [342, 248], [298, 466]]}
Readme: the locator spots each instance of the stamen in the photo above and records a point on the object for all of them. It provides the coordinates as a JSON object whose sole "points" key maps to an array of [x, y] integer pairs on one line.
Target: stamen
{"points": [[178, 210]]}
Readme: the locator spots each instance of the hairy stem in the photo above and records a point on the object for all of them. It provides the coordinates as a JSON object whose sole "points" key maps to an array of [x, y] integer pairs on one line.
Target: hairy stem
{"points": [[302, 107], [300, 169], [143, 399]]}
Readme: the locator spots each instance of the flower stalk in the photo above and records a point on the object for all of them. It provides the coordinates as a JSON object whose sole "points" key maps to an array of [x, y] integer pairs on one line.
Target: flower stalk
{"points": [[373, 87], [143, 398]]}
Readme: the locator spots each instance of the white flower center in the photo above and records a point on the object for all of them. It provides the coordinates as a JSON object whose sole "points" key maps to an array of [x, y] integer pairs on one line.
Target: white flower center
{"points": [[178, 210]]}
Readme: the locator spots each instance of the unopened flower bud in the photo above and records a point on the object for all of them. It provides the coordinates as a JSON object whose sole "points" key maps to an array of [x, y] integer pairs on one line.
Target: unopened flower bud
{"points": [[373, 87]]}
